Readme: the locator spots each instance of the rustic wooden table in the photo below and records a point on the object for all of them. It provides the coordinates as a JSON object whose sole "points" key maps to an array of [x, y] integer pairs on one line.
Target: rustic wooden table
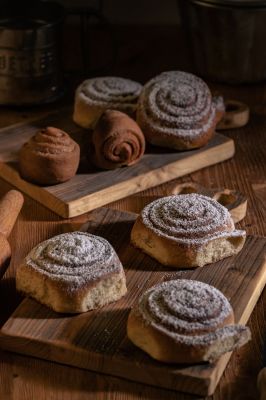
{"points": [[24, 378]]}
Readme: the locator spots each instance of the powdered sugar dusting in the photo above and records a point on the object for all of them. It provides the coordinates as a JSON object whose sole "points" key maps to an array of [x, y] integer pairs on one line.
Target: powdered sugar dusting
{"points": [[219, 103], [177, 103], [189, 311], [110, 92], [74, 258], [189, 219]]}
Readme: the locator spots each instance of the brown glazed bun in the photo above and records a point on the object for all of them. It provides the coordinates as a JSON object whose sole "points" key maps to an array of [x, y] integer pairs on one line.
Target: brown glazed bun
{"points": [[96, 95], [117, 141], [72, 273], [49, 157], [188, 230], [175, 110], [185, 321]]}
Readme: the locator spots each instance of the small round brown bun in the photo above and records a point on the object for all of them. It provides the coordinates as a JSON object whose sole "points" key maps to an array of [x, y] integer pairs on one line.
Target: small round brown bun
{"points": [[49, 157], [187, 231], [185, 321], [95, 95], [72, 273], [176, 110], [117, 141]]}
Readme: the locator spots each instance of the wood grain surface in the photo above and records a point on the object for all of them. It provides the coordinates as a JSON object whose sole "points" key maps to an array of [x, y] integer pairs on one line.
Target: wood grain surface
{"points": [[91, 188], [97, 340], [26, 378], [10, 206]]}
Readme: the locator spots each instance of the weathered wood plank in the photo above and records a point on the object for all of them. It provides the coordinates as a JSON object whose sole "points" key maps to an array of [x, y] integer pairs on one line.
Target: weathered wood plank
{"points": [[92, 188], [97, 340]]}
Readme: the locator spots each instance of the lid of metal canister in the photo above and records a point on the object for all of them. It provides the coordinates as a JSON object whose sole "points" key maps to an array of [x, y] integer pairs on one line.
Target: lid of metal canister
{"points": [[29, 26], [30, 68], [233, 3]]}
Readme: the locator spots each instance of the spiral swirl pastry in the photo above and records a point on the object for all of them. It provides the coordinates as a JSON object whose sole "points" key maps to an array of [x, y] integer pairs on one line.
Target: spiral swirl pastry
{"points": [[174, 307], [74, 257], [96, 95], [117, 141], [67, 266], [188, 218], [49, 157], [190, 318], [176, 110], [186, 230]]}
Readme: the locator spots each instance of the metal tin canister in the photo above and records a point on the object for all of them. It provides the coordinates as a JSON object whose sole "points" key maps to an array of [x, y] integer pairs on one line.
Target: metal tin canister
{"points": [[226, 38], [30, 59]]}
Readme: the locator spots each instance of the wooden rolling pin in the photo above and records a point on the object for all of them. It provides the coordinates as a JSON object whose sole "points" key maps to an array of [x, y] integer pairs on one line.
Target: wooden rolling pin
{"points": [[10, 206]]}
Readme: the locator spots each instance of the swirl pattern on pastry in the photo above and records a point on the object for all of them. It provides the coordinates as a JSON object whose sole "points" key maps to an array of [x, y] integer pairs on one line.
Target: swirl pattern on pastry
{"points": [[74, 258], [72, 272], [117, 141], [49, 157], [188, 219], [194, 316], [96, 95], [50, 141], [116, 93], [175, 109], [183, 306]]}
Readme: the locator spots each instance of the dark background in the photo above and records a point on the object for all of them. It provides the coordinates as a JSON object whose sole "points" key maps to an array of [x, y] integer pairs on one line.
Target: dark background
{"points": [[134, 39]]}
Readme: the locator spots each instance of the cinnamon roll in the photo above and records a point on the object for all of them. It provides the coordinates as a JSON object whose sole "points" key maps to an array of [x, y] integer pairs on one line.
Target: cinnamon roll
{"points": [[176, 110], [188, 230], [185, 321], [72, 273], [49, 157], [116, 141], [96, 95]]}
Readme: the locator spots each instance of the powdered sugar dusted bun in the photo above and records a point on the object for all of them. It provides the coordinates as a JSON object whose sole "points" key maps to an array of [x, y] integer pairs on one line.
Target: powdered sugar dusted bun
{"points": [[72, 272], [96, 95], [176, 110], [187, 230], [185, 321]]}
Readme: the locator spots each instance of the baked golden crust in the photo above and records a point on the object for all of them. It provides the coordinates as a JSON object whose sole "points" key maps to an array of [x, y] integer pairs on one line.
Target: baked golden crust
{"points": [[162, 347], [72, 273], [184, 321], [186, 231]]}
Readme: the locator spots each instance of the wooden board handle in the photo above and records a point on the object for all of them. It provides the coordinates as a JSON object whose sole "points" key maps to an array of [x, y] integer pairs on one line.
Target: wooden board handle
{"points": [[236, 115], [234, 201], [10, 206]]}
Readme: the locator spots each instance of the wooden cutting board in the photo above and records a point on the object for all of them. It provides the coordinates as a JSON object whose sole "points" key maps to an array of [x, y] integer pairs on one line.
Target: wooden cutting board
{"points": [[97, 340], [92, 188]]}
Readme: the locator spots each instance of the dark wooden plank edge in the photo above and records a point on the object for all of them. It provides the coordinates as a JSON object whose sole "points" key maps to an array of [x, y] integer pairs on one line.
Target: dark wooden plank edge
{"points": [[97, 199], [166, 378]]}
